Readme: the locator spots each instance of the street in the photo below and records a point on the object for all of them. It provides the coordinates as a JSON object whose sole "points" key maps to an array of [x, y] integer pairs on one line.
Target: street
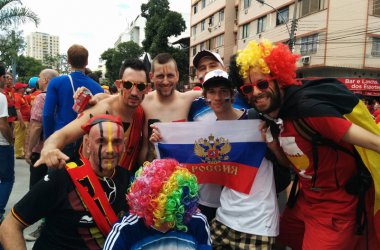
{"points": [[20, 187]]}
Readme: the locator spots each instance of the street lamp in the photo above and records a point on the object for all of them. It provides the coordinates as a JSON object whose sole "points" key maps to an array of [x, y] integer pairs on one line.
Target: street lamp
{"points": [[294, 22]]}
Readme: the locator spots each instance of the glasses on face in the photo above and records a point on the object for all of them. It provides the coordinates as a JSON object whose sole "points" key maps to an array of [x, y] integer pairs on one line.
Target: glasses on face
{"points": [[262, 85], [129, 85]]}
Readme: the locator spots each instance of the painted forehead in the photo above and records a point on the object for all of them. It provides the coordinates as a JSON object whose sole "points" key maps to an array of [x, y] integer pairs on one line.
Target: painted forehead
{"points": [[104, 129]]}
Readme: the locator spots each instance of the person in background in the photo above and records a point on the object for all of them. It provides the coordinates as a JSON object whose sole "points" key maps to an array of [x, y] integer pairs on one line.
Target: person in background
{"points": [[21, 124], [7, 169], [59, 101], [163, 211]]}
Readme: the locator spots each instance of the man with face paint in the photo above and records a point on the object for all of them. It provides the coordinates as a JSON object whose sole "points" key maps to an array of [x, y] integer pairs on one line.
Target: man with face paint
{"points": [[132, 88], [324, 214], [79, 203]]}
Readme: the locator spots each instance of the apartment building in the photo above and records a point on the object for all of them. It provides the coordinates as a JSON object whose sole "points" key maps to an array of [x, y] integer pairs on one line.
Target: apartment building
{"points": [[134, 32], [334, 38], [41, 46]]}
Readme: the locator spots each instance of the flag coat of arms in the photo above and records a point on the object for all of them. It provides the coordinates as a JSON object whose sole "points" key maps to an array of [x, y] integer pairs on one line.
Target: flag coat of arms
{"points": [[227, 153]]}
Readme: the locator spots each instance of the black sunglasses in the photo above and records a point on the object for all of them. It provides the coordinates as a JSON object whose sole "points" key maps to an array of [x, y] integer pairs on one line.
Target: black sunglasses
{"points": [[261, 84], [128, 85]]}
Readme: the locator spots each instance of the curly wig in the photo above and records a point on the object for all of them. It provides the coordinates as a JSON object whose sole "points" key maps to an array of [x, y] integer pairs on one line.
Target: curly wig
{"points": [[275, 60], [164, 192]]}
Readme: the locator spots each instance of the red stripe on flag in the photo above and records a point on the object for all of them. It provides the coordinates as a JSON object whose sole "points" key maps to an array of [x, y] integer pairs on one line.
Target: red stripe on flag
{"points": [[230, 174]]}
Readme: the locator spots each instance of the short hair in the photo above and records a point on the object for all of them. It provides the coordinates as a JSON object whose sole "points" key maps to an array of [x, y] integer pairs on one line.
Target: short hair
{"points": [[234, 73], [163, 58], [164, 192], [49, 73], [133, 63], [77, 56]]}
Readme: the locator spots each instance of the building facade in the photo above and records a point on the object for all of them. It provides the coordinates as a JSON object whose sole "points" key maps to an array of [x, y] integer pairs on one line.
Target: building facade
{"points": [[42, 46], [134, 32], [334, 38]]}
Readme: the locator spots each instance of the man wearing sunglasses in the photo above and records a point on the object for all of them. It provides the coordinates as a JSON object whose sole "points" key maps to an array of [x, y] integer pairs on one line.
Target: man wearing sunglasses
{"points": [[79, 203], [132, 89], [324, 215]]}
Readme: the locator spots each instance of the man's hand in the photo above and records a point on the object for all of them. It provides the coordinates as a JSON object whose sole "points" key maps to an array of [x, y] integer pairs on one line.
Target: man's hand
{"points": [[156, 136], [27, 157], [53, 158], [94, 98]]}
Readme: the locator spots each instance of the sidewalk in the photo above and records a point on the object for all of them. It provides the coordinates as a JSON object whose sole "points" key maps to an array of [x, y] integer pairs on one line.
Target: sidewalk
{"points": [[20, 188]]}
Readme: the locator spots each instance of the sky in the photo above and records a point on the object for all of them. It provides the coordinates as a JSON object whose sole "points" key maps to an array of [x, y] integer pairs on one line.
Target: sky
{"points": [[94, 24]]}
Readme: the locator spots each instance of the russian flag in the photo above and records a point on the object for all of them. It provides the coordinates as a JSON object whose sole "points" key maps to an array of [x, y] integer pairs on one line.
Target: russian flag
{"points": [[227, 153]]}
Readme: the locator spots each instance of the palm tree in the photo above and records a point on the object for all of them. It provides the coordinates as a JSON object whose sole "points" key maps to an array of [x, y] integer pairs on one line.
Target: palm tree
{"points": [[11, 13]]}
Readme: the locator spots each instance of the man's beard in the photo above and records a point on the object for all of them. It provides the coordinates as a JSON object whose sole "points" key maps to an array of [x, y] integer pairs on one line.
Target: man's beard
{"points": [[275, 100]]}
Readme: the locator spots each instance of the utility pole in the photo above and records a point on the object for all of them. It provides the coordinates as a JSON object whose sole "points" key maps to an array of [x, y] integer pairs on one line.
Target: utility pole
{"points": [[293, 28]]}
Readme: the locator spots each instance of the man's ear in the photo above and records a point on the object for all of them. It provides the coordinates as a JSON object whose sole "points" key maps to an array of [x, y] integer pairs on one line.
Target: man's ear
{"points": [[150, 76], [86, 143]]}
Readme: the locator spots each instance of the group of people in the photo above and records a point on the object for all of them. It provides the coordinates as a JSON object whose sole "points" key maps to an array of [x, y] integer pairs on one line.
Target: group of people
{"points": [[95, 194]]}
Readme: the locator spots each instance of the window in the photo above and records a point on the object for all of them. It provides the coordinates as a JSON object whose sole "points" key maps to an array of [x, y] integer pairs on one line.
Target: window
{"points": [[375, 46], [309, 6], [282, 16], [203, 4], [194, 50], [247, 3], [221, 16], [376, 7], [309, 44], [261, 24], [195, 8], [211, 21], [194, 30], [202, 46], [219, 41], [245, 31], [203, 25]]}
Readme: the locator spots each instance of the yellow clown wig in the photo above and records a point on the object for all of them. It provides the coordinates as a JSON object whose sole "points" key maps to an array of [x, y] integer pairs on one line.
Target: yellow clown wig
{"points": [[269, 59]]}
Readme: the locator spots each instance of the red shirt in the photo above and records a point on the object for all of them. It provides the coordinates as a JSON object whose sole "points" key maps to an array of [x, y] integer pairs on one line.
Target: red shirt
{"points": [[335, 168], [9, 93], [23, 105]]}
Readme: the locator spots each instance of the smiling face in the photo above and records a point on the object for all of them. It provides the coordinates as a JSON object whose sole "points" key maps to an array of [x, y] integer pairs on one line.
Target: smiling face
{"points": [[207, 64], [266, 100], [132, 97], [165, 78], [218, 98], [105, 146]]}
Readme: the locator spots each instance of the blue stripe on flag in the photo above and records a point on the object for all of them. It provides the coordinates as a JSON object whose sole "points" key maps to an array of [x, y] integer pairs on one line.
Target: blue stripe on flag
{"points": [[247, 153]]}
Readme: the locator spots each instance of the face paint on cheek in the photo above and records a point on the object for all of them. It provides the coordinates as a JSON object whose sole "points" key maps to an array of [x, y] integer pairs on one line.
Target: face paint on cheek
{"points": [[100, 147], [110, 151]]}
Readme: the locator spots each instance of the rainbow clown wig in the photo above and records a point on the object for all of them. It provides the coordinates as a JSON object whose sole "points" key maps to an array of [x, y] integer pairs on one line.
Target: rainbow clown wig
{"points": [[274, 60], [164, 192]]}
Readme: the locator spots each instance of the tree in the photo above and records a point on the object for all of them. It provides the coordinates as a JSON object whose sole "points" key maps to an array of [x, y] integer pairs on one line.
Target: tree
{"points": [[11, 13], [162, 23], [115, 57], [28, 67], [11, 44]]}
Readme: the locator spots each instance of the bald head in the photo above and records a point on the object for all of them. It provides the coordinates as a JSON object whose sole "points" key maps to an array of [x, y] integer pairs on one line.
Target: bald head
{"points": [[45, 76]]}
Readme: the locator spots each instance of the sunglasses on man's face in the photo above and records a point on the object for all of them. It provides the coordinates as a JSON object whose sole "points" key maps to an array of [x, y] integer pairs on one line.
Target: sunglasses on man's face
{"points": [[128, 85], [262, 85]]}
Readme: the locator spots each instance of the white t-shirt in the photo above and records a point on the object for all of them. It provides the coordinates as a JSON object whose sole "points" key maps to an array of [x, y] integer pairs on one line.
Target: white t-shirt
{"points": [[256, 213], [3, 113]]}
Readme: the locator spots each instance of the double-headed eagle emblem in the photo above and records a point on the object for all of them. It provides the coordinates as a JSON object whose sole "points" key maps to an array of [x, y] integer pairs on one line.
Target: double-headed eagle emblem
{"points": [[212, 150]]}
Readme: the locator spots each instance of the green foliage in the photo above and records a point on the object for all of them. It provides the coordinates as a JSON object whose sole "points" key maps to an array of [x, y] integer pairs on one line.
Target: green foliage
{"points": [[115, 57], [12, 13], [11, 44], [27, 68]]}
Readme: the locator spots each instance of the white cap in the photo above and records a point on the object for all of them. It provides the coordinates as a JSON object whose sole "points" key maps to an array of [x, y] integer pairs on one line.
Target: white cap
{"points": [[207, 53], [217, 76]]}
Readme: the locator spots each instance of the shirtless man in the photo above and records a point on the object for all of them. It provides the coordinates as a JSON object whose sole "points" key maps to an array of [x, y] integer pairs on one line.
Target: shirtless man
{"points": [[132, 88], [165, 103]]}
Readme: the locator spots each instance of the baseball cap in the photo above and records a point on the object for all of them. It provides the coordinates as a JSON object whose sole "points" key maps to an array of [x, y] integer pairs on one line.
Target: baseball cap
{"points": [[217, 76], [205, 53], [20, 85]]}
